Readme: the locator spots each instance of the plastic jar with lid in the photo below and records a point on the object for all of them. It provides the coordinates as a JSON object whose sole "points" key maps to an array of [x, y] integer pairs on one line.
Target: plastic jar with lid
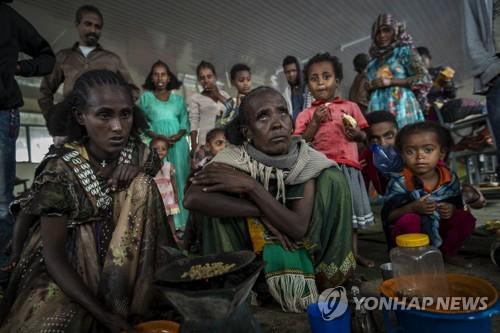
{"points": [[418, 267]]}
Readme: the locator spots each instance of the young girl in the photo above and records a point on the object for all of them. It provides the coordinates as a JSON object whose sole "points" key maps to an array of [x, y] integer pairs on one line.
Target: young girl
{"points": [[426, 197], [334, 126], [215, 143], [241, 80], [165, 180]]}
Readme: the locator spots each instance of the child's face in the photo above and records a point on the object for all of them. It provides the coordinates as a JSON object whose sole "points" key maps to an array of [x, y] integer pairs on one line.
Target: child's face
{"points": [[217, 143], [243, 82], [383, 133], [161, 148], [321, 81], [421, 152]]}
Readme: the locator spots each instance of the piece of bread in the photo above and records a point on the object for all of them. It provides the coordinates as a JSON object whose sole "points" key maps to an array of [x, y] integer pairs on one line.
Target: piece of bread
{"points": [[349, 121], [384, 72]]}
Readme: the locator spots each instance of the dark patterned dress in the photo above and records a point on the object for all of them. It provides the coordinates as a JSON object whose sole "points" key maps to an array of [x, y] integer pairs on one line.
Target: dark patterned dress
{"points": [[112, 243]]}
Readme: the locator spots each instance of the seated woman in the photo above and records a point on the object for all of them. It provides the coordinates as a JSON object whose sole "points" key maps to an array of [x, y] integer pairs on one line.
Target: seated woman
{"points": [[88, 262], [271, 193]]}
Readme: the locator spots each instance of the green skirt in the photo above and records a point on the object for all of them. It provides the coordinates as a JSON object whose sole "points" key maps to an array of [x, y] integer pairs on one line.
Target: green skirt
{"points": [[326, 257]]}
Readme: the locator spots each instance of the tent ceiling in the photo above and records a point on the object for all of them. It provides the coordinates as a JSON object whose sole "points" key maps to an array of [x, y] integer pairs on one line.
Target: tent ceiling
{"points": [[258, 32]]}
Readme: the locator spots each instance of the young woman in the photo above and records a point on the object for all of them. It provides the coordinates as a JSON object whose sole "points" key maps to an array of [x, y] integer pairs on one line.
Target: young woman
{"points": [[396, 73], [88, 263], [168, 117], [206, 108]]}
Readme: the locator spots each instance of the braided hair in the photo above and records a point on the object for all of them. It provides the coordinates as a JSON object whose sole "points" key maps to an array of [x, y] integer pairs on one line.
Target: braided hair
{"points": [[62, 118]]}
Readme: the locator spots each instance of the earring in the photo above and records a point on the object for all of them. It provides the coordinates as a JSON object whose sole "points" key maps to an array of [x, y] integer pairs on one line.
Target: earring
{"points": [[249, 140]]}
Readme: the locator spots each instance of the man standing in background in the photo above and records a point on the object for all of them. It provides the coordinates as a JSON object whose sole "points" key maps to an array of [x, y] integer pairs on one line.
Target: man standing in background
{"points": [[482, 39], [296, 94], [16, 35], [358, 92], [84, 55]]}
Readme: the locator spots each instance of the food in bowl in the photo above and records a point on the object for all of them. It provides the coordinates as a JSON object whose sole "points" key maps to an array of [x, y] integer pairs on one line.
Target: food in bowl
{"points": [[208, 270]]}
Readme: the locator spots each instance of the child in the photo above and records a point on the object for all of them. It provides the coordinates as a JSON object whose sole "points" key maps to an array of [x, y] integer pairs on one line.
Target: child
{"points": [[382, 131], [334, 126], [426, 197], [215, 143], [241, 79], [165, 180]]}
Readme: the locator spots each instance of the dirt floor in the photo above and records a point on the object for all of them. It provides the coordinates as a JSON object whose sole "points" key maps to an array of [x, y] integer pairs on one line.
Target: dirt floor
{"points": [[476, 252]]}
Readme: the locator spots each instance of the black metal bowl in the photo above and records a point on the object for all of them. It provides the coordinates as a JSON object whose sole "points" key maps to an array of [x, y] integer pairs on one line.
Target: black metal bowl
{"points": [[172, 272]]}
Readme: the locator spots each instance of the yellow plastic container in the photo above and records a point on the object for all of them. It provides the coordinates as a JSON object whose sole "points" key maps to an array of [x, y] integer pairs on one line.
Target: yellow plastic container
{"points": [[418, 267]]}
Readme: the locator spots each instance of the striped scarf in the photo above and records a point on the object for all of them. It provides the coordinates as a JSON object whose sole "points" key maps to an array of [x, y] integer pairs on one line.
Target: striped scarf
{"points": [[299, 165]]}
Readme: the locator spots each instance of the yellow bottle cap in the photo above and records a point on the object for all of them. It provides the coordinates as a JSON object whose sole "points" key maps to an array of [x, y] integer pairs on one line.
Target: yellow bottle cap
{"points": [[412, 240]]}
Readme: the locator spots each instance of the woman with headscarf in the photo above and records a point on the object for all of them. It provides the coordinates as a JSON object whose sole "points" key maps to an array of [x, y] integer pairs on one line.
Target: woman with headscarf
{"points": [[397, 77]]}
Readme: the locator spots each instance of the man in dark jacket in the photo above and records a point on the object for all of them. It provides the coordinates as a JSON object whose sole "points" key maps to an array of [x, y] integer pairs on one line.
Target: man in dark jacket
{"points": [[85, 55], [16, 35]]}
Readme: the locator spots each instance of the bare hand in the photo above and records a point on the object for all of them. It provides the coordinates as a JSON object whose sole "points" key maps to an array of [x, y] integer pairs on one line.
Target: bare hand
{"points": [[354, 134], [446, 210], [424, 206], [117, 324], [217, 177], [174, 138], [122, 177], [285, 241], [380, 83], [239, 98], [363, 163], [321, 114]]}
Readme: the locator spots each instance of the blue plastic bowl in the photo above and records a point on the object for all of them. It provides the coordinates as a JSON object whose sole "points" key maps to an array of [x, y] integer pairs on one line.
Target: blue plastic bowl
{"points": [[341, 324]]}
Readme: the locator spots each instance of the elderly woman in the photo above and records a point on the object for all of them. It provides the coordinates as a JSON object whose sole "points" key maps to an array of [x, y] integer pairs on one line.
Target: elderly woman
{"points": [[88, 262], [271, 193], [396, 74]]}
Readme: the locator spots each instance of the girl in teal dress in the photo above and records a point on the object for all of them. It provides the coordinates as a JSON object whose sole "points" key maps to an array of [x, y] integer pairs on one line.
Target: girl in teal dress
{"points": [[168, 116], [397, 77]]}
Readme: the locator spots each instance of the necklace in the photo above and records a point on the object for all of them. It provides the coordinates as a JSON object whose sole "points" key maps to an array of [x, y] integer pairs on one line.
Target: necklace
{"points": [[102, 162]]}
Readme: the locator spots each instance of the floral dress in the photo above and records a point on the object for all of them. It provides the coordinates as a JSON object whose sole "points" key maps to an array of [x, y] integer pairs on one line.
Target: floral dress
{"points": [[402, 63]]}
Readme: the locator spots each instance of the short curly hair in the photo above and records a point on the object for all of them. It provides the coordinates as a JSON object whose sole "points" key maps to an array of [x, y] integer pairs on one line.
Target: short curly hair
{"points": [[445, 139], [233, 130], [62, 119], [238, 68], [325, 57]]}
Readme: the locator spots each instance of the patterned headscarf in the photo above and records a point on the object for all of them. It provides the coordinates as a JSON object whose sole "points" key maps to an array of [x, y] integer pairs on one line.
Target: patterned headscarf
{"points": [[401, 37]]}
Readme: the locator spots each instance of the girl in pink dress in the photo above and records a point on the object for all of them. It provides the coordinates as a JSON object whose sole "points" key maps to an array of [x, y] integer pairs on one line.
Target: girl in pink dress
{"points": [[165, 180]]}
